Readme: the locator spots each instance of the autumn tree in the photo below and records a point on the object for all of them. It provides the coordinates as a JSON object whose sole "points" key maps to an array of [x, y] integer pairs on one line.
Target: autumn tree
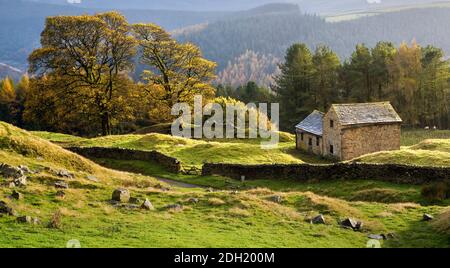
{"points": [[405, 70], [86, 59], [175, 72], [7, 100]]}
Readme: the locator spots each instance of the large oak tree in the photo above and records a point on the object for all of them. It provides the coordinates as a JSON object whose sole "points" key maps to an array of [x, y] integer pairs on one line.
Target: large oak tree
{"points": [[87, 58]]}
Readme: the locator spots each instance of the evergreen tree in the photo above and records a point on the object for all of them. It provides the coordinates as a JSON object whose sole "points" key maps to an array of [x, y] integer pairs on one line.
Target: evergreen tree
{"points": [[325, 77], [293, 85]]}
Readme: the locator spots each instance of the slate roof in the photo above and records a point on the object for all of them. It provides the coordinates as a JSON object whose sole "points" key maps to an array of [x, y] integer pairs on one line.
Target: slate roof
{"points": [[366, 113], [312, 124]]}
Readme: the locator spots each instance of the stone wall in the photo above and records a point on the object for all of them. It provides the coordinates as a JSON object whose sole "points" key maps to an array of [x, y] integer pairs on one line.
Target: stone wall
{"points": [[305, 172], [170, 163], [361, 140], [304, 144], [331, 135]]}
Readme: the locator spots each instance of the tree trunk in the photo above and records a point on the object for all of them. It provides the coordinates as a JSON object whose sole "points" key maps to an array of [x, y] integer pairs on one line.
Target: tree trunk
{"points": [[106, 126]]}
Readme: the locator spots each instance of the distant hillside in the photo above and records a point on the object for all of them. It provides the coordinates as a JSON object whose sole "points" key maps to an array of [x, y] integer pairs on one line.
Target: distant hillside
{"points": [[272, 34], [22, 22], [226, 37], [6, 70], [323, 7]]}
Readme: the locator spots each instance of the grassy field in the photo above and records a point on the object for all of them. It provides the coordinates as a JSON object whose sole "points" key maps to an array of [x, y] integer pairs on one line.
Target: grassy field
{"points": [[222, 218], [414, 136]]}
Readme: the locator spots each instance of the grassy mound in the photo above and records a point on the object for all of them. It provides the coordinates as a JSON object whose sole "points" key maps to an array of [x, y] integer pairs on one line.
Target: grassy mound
{"points": [[17, 142], [409, 156], [442, 145], [414, 136], [19, 147], [442, 223]]}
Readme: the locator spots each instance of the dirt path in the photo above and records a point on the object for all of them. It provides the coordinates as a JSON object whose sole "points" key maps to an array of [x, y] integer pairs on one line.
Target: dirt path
{"points": [[178, 183]]}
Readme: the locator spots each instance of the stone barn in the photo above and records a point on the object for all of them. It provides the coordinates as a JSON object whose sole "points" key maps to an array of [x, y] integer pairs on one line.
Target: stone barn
{"points": [[309, 133], [347, 131]]}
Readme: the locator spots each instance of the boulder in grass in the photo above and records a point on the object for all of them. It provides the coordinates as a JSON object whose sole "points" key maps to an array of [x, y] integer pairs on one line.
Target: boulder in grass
{"points": [[61, 185], [5, 209], [16, 195], [121, 195], [8, 171], [20, 182], [175, 207], [25, 170], [134, 200], [377, 237], [350, 224], [319, 219], [147, 205], [25, 219], [276, 199], [64, 174], [193, 200]]}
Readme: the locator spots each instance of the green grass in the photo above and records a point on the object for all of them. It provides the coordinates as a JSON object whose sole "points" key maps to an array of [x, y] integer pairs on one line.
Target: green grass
{"points": [[57, 137], [351, 190], [221, 218], [414, 136]]}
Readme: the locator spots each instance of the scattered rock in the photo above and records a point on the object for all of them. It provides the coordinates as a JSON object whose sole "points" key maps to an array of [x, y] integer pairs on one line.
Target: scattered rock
{"points": [[234, 192], [20, 182], [319, 219], [377, 237], [61, 185], [276, 199], [36, 221], [25, 170], [64, 174], [427, 217], [161, 187], [210, 190], [175, 207], [352, 224], [25, 219], [121, 195], [16, 195], [60, 194], [8, 171], [5, 209], [193, 200], [92, 178], [134, 200], [147, 205], [359, 225]]}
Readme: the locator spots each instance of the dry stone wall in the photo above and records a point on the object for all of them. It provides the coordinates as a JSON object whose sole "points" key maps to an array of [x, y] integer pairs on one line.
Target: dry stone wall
{"points": [[170, 163], [350, 171]]}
